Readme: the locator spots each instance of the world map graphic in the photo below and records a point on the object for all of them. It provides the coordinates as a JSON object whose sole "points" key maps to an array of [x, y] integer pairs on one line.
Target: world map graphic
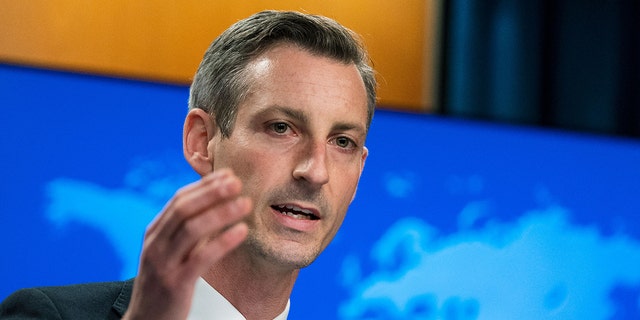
{"points": [[538, 267], [453, 219]]}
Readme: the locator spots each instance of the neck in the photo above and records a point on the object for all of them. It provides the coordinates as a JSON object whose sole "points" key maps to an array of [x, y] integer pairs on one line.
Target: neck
{"points": [[255, 287]]}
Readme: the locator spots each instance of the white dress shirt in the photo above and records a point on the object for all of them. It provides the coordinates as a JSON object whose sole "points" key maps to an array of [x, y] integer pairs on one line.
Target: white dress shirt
{"points": [[209, 304]]}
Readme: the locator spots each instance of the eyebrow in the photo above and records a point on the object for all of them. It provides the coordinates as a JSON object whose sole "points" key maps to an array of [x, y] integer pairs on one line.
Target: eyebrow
{"points": [[347, 126], [292, 113], [302, 117]]}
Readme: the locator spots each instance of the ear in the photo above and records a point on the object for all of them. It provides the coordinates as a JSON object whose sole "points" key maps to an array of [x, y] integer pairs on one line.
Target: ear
{"points": [[365, 153], [199, 129]]}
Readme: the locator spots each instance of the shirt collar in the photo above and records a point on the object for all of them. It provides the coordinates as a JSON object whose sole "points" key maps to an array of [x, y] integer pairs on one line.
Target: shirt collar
{"points": [[209, 304]]}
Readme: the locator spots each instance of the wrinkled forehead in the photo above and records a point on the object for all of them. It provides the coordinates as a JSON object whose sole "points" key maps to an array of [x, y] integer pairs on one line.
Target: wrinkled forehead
{"points": [[292, 77]]}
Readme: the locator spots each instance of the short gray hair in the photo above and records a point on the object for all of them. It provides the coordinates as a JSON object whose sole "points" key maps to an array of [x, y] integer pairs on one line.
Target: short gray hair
{"points": [[220, 84]]}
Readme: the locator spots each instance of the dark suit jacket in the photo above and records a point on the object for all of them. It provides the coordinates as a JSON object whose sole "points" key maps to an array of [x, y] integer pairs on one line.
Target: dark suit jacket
{"points": [[105, 300]]}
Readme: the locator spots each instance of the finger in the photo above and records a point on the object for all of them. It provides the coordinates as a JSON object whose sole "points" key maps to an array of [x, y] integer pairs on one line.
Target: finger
{"points": [[195, 195], [195, 199], [161, 217], [209, 252], [207, 226]]}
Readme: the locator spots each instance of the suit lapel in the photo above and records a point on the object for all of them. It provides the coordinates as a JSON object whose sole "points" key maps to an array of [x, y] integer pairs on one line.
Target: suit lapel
{"points": [[122, 302]]}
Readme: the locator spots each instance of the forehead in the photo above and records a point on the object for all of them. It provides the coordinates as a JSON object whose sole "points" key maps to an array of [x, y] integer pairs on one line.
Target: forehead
{"points": [[289, 76]]}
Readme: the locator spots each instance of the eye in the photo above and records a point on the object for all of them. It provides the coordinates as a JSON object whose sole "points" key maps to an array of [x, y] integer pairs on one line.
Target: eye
{"points": [[344, 142], [280, 127]]}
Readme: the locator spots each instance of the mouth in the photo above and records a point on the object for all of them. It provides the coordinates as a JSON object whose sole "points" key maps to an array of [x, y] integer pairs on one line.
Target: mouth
{"points": [[296, 212]]}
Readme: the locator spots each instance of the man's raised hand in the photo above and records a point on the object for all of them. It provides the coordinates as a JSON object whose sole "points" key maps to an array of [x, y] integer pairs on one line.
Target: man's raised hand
{"points": [[198, 226]]}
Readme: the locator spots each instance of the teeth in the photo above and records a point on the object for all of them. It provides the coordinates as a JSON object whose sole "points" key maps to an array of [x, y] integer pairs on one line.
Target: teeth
{"points": [[296, 216], [296, 209]]}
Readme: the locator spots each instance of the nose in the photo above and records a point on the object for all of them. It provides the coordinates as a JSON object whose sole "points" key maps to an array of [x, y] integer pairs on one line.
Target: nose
{"points": [[312, 165]]}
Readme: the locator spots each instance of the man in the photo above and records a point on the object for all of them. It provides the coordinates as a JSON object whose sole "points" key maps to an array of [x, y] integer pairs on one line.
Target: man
{"points": [[278, 115]]}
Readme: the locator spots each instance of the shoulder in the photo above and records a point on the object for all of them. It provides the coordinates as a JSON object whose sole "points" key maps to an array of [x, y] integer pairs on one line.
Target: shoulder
{"points": [[103, 300]]}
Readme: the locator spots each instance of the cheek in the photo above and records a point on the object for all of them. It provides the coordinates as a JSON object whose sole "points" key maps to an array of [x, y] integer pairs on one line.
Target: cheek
{"points": [[253, 166], [241, 163], [347, 178], [345, 194], [235, 153]]}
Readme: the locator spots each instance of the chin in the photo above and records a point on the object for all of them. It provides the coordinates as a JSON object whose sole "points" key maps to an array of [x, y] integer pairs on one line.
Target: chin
{"points": [[285, 253]]}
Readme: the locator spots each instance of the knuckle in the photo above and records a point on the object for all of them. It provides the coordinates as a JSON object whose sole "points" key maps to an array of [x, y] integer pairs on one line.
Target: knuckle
{"points": [[180, 193], [181, 207], [192, 227]]}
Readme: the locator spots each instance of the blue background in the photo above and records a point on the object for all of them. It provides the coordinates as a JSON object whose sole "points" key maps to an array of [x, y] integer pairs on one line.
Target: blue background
{"points": [[60, 126]]}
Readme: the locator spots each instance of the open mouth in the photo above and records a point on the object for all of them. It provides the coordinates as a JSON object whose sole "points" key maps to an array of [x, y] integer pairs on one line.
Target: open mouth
{"points": [[295, 212]]}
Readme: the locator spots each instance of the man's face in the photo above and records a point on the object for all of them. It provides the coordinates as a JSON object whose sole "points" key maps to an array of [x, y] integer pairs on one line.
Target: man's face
{"points": [[298, 147]]}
